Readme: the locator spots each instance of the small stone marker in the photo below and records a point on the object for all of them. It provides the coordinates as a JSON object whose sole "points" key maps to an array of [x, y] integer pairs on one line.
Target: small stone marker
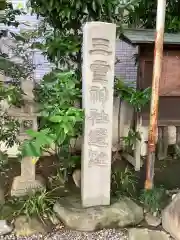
{"points": [[98, 81], [28, 181]]}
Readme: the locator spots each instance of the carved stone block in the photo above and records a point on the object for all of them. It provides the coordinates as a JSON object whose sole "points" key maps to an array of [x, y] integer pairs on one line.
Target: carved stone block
{"points": [[22, 186], [98, 80]]}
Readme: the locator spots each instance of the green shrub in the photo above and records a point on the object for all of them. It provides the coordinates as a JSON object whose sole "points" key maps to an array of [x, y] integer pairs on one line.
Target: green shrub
{"points": [[61, 121], [36, 204], [153, 199], [123, 183]]}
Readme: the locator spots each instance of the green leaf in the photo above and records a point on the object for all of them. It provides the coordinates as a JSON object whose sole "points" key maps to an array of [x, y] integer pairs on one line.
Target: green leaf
{"points": [[32, 133], [29, 149], [66, 127], [61, 136], [56, 119]]}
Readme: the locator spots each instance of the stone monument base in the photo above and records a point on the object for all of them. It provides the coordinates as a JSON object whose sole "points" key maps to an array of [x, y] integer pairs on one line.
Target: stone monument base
{"points": [[121, 213], [22, 187]]}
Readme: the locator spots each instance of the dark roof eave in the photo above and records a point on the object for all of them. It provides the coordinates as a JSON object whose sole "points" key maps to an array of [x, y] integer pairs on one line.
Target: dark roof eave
{"points": [[125, 39], [152, 42], [128, 38]]}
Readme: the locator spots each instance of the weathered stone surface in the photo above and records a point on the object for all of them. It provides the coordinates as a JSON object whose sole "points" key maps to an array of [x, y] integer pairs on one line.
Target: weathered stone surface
{"points": [[2, 199], [171, 217], [77, 177], [145, 234], [22, 186], [138, 234], [28, 227], [99, 40], [121, 213], [5, 228], [158, 235], [152, 220]]}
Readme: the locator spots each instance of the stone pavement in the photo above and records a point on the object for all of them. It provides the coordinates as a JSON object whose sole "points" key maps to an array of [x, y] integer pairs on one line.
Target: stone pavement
{"points": [[145, 234]]}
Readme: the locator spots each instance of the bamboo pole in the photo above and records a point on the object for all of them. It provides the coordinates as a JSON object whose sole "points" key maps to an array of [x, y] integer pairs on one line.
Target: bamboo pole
{"points": [[158, 56]]}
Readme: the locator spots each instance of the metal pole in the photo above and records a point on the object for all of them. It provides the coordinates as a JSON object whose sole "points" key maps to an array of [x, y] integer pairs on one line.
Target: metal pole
{"points": [[158, 56]]}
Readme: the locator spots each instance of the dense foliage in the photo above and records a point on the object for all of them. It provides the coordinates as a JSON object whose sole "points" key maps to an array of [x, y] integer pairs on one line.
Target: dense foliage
{"points": [[63, 23], [61, 119], [144, 15], [11, 94]]}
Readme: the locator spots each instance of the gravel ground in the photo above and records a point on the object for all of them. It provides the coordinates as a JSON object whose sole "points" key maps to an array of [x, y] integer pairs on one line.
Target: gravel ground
{"points": [[107, 234]]}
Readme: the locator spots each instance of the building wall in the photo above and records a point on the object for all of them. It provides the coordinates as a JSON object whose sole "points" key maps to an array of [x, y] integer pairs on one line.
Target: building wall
{"points": [[126, 68]]}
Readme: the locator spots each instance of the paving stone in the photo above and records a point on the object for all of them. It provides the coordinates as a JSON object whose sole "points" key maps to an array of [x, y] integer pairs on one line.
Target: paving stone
{"points": [[145, 234]]}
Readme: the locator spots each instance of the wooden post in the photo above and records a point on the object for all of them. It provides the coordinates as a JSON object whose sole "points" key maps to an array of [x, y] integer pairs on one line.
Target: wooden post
{"points": [[158, 55]]}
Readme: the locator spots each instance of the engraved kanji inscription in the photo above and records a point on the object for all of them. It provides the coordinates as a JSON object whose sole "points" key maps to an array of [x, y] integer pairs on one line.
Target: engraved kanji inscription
{"points": [[97, 158], [98, 137], [100, 70], [98, 117], [98, 63], [100, 46], [98, 95]]}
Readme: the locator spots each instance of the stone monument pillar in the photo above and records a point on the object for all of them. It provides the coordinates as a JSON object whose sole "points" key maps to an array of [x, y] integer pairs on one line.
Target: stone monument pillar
{"points": [[98, 82], [28, 181]]}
